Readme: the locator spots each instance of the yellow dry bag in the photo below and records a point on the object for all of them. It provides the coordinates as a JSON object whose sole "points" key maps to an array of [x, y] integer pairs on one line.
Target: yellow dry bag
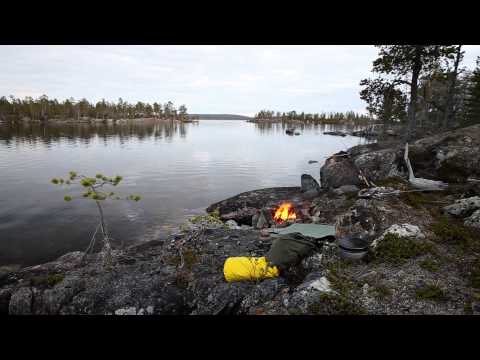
{"points": [[248, 268]]}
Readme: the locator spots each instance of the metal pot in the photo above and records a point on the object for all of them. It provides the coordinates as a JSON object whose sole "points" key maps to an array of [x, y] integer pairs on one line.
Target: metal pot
{"points": [[353, 248]]}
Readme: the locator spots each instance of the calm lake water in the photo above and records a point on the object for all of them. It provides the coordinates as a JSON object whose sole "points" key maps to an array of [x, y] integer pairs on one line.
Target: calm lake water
{"points": [[178, 169]]}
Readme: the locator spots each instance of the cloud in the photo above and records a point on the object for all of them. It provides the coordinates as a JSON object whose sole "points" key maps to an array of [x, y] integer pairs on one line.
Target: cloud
{"points": [[207, 78]]}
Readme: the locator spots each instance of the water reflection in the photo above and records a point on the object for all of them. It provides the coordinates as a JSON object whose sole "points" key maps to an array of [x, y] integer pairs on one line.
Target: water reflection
{"points": [[269, 127], [34, 133]]}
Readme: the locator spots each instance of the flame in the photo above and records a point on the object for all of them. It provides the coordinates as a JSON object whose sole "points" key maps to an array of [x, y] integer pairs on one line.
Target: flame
{"points": [[284, 212]]}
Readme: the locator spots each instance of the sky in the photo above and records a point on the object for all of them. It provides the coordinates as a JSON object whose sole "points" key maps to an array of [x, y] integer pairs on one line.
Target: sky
{"points": [[236, 79]]}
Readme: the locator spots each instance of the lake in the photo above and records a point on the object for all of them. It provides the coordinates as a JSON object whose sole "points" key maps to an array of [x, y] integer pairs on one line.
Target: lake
{"points": [[178, 169]]}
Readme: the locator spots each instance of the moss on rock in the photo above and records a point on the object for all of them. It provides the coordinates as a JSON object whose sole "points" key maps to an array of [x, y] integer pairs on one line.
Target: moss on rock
{"points": [[49, 280], [395, 249], [430, 292]]}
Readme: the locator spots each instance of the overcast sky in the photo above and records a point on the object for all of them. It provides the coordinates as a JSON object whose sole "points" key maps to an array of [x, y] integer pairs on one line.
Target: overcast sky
{"points": [[208, 79]]}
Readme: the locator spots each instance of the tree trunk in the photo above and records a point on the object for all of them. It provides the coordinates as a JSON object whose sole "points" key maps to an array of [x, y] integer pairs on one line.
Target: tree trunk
{"points": [[447, 119], [412, 108]]}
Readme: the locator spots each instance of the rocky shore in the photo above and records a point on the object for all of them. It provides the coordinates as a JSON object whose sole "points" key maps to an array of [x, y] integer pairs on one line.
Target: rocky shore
{"points": [[422, 252]]}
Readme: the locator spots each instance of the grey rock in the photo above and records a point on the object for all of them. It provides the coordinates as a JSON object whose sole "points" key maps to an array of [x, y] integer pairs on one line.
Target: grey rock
{"points": [[232, 224], [362, 221], [308, 293], [5, 295], [339, 170], [463, 207], [21, 302], [335, 133], [261, 293], [126, 311], [402, 230], [313, 262], [378, 165], [473, 220], [243, 206]]}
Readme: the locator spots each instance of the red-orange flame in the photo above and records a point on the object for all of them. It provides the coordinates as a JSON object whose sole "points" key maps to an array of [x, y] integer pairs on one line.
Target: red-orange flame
{"points": [[284, 212]]}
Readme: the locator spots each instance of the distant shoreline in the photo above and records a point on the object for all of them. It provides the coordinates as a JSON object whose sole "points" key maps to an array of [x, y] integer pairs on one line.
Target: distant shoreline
{"points": [[219, 117]]}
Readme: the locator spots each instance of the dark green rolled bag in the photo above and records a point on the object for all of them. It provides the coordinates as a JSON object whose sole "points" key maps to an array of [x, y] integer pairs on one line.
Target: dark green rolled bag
{"points": [[289, 249]]}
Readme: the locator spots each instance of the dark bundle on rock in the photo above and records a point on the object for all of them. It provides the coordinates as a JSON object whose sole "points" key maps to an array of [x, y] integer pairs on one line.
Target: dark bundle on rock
{"points": [[309, 186], [262, 219]]}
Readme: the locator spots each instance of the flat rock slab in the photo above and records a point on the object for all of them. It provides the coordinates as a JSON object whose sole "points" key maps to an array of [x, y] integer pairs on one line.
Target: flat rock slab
{"points": [[258, 199], [316, 231]]}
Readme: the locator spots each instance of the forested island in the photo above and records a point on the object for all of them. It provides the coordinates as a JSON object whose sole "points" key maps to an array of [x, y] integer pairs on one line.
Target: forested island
{"points": [[44, 109], [349, 117]]}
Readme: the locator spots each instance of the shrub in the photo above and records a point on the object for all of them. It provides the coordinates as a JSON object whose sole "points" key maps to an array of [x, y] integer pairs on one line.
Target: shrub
{"points": [[381, 292], [454, 233], [471, 271], [395, 249], [430, 265], [430, 292], [93, 190], [335, 305]]}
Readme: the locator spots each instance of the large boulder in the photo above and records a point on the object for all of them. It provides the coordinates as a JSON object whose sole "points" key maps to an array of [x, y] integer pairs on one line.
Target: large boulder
{"points": [[451, 156], [339, 170], [381, 164]]}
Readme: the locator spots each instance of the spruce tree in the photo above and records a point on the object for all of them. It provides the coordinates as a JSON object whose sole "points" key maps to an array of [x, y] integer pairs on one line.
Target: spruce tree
{"points": [[472, 103]]}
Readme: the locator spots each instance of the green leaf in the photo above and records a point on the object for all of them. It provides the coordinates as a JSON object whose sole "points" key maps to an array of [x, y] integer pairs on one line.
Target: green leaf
{"points": [[117, 180], [67, 198], [99, 176], [55, 181]]}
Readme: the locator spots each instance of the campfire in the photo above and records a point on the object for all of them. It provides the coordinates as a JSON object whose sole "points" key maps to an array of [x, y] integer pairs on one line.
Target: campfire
{"points": [[284, 213]]}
